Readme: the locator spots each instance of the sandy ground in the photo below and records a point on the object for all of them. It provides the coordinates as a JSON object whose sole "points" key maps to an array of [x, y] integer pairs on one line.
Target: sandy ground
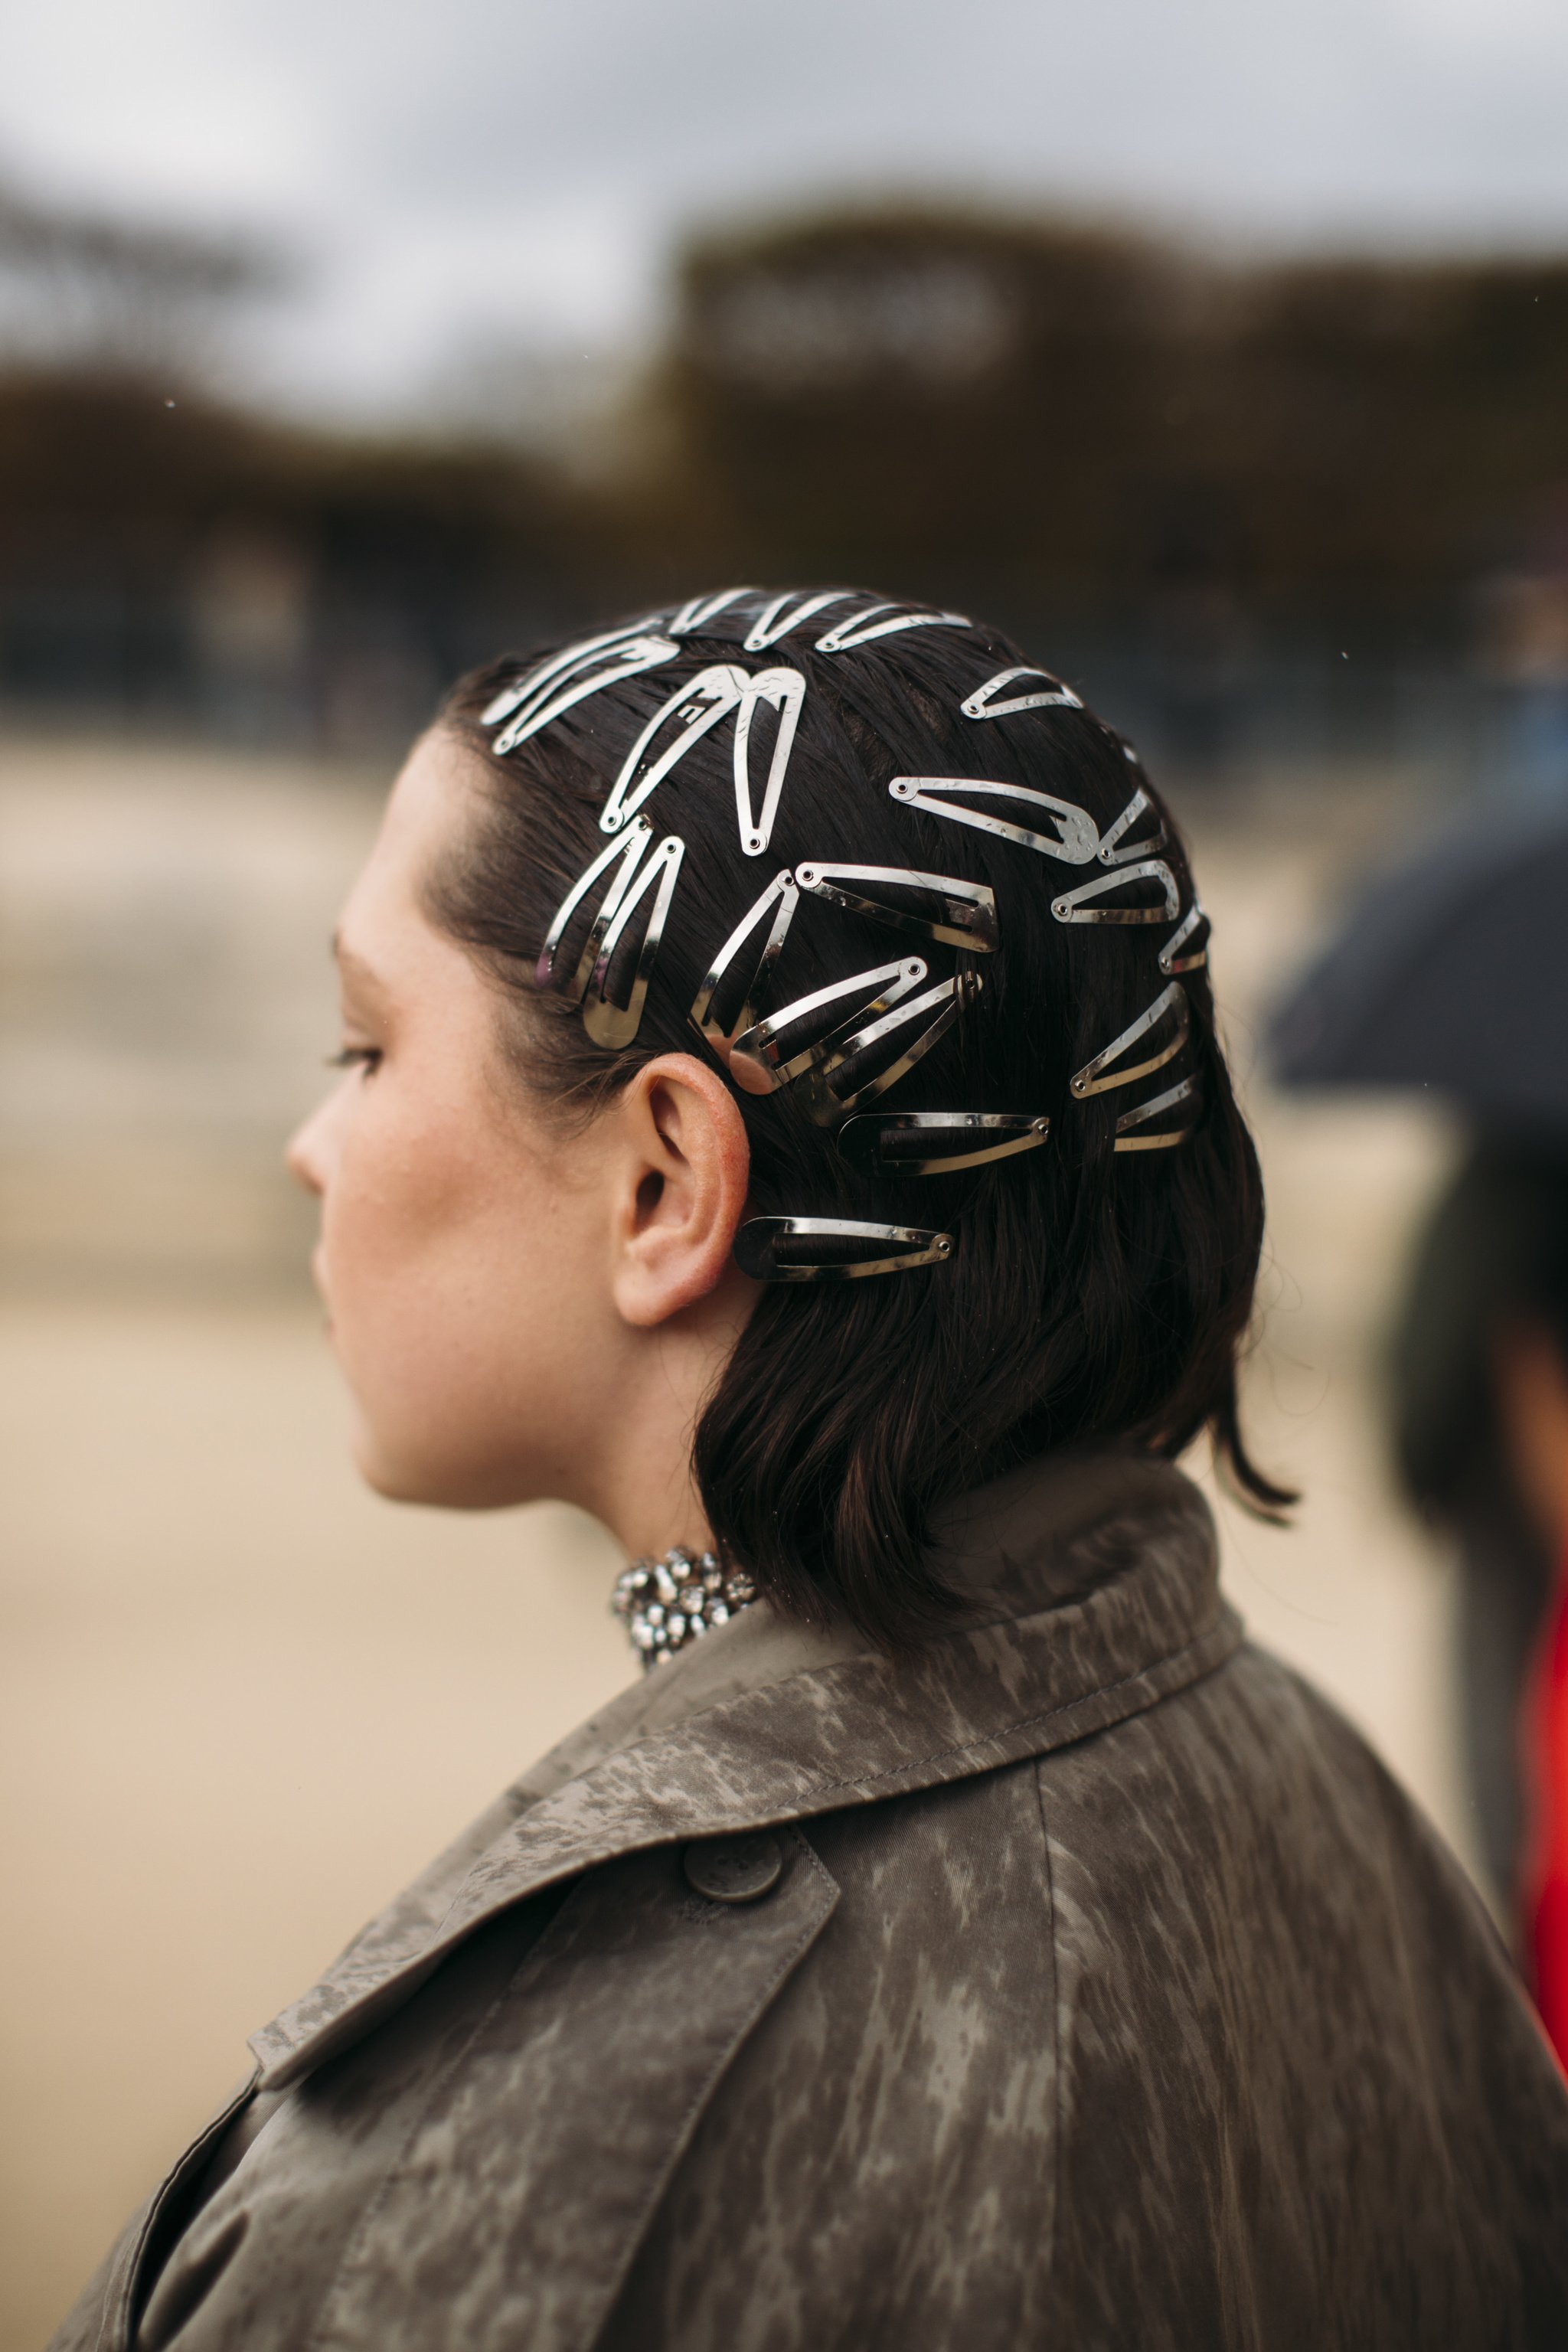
{"points": [[243, 1700]]}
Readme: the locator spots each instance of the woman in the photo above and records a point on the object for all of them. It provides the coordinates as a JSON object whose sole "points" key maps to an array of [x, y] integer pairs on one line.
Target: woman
{"points": [[782, 1113], [1479, 1367]]}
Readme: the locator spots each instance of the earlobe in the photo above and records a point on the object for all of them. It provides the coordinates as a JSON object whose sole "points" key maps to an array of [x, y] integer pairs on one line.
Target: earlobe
{"points": [[683, 1191]]}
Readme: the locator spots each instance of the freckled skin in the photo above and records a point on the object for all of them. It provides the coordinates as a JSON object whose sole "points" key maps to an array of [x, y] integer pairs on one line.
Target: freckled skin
{"points": [[523, 1309]]}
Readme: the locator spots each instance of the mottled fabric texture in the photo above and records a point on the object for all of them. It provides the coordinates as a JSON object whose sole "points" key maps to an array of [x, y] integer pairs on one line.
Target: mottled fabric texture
{"points": [[1104, 1992]]}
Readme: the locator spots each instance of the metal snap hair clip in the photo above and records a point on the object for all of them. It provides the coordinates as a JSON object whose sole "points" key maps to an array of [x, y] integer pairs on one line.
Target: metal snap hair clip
{"points": [[695, 707], [1073, 906], [1170, 957], [701, 610], [575, 684], [982, 703], [826, 1103], [522, 688], [1115, 849], [937, 1142], [1099, 1077], [1075, 842], [1128, 1141], [759, 1060], [782, 892], [769, 1248], [607, 1024], [628, 854], [863, 628], [790, 611], [785, 691], [964, 914]]}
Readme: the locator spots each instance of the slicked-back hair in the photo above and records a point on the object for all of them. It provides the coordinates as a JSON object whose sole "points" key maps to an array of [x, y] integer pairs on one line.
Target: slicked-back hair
{"points": [[1092, 1295]]}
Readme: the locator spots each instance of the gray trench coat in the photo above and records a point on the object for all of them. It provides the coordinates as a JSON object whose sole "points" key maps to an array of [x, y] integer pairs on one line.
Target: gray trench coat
{"points": [[1083, 1982]]}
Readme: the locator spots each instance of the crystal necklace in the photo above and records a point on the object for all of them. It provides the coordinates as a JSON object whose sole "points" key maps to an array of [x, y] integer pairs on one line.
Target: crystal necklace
{"points": [[667, 1603]]}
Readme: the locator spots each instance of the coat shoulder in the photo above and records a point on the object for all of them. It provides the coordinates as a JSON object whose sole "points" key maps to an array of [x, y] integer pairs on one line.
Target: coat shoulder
{"points": [[1294, 2049], [1190, 2031]]}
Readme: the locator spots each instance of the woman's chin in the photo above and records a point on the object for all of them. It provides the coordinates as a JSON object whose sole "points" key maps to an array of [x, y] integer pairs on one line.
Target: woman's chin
{"points": [[408, 1474], [399, 1474]]}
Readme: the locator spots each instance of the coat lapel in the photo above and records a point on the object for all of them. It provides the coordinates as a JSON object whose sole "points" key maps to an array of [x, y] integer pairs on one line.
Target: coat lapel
{"points": [[1094, 1593], [563, 2137]]}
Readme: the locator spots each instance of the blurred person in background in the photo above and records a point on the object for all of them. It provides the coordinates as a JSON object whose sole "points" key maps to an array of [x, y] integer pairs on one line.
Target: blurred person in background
{"points": [[1480, 1415], [781, 1112], [1525, 654], [251, 626], [1450, 978]]}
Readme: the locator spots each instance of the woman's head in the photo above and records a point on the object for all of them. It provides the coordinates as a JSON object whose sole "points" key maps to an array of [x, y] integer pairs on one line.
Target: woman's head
{"points": [[643, 1010]]}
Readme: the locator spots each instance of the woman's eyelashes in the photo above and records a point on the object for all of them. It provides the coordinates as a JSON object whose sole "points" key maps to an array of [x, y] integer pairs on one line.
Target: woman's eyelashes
{"points": [[355, 1058]]}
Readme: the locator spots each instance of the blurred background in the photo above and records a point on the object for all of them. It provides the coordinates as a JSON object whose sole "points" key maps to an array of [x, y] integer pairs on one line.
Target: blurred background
{"points": [[1220, 353]]}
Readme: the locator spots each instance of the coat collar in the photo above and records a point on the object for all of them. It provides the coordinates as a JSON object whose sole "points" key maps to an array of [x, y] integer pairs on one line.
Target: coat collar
{"points": [[1094, 1586]]}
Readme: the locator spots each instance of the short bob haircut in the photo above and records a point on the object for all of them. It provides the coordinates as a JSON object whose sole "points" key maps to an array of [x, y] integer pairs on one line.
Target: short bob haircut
{"points": [[1092, 1295]]}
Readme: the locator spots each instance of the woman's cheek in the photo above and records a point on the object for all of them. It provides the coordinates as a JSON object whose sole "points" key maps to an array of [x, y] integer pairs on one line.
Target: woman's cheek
{"points": [[407, 1242]]}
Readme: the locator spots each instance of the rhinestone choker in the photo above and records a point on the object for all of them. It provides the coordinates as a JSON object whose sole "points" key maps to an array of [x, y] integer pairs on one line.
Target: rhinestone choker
{"points": [[667, 1603]]}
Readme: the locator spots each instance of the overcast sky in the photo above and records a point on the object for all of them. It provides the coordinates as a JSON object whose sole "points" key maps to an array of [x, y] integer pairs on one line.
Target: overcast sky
{"points": [[456, 170]]}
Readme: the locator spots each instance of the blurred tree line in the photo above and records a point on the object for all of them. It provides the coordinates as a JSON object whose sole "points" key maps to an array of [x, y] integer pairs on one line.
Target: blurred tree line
{"points": [[1096, 416], [1073, 427], [166, 549]]}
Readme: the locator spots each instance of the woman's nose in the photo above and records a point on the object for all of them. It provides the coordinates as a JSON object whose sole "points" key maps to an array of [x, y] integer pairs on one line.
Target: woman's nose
{"points": [[303, 1156]]}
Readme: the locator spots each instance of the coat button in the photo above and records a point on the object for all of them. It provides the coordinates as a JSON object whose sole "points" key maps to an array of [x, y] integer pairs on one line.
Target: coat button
{"points": [[734, 1870]]}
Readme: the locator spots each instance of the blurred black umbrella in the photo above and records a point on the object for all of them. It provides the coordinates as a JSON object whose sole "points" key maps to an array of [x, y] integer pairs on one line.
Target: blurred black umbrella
{"points": [[1451, 974]]}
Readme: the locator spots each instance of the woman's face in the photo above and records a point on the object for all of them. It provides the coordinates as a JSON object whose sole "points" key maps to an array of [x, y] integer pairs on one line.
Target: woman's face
{"points": [[462, 1231], [524, 1307]]}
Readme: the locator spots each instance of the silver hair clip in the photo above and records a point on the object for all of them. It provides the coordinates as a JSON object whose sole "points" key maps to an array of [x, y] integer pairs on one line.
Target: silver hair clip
{"points": [[797, 609], [574, 680], [1115, 850], [758, 1059], [698, 705], [1128, 1141], [1092, 1079], [964, 914], [1170, 957], [699, 610], [711, 696], [982, 704], [1075, 842], [610, 1024], [784, 892], [766, 1248], [785, 691], [521, 689], [946, 1001], [1073, 906], [937, 1142], [627, 853], [863, 628]]}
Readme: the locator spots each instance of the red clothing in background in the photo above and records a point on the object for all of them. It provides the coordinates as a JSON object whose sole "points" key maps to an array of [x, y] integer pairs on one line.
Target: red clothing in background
{"points": [[1545, 1885]]}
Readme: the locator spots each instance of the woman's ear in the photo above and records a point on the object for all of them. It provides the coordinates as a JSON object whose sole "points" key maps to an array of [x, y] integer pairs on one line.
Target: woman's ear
{"points": [[681, 1189]]}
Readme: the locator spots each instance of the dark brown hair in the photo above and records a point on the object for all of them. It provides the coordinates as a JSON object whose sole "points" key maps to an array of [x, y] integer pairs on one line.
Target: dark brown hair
{"points": [[1091, 1295]]}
